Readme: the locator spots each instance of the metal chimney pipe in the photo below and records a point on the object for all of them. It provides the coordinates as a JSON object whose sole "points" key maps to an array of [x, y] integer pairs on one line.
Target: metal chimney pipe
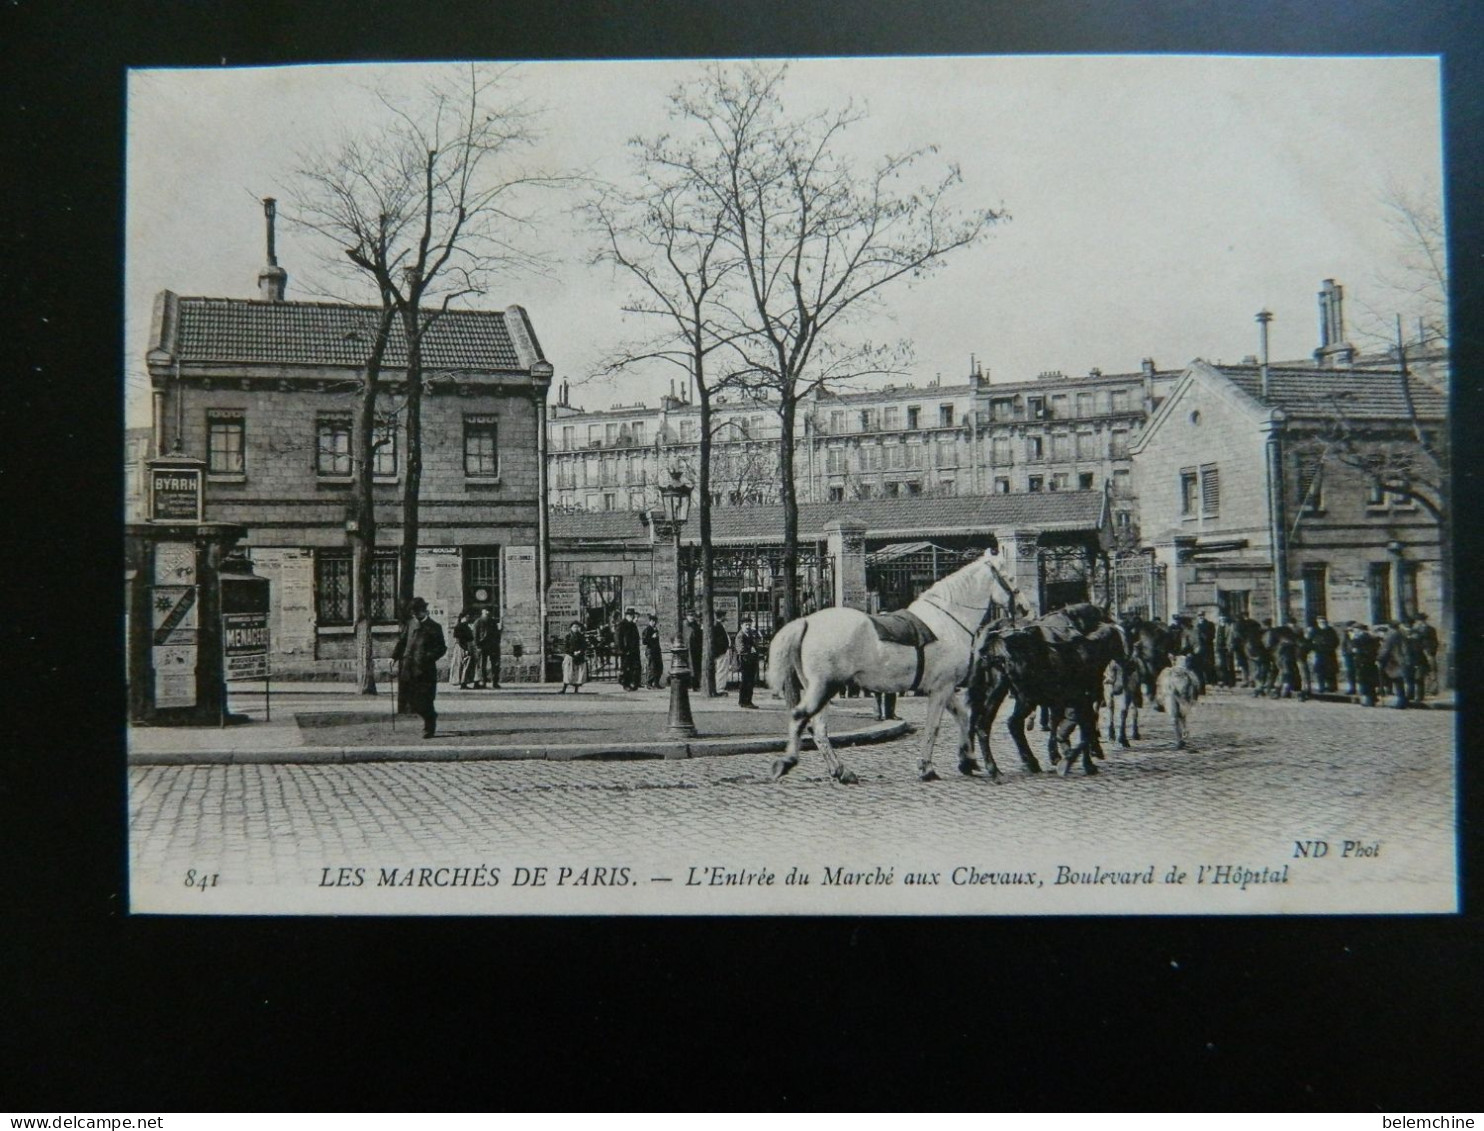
{"points": [[1263, 318], [270, 210]]}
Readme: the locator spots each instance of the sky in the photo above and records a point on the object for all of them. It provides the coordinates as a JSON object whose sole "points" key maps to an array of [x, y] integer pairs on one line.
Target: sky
{"points": [[1156, 202]]}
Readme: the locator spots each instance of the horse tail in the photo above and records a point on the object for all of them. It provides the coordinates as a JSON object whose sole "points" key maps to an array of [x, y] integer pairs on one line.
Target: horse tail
{"points": [[785, 660]]}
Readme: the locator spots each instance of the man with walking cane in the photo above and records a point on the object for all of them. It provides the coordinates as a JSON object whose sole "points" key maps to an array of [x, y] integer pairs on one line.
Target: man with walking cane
{"points": [[416, 655]]}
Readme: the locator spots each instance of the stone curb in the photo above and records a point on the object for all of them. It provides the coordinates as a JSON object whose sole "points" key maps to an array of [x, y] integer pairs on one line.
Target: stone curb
{"points": [[555, 752]]}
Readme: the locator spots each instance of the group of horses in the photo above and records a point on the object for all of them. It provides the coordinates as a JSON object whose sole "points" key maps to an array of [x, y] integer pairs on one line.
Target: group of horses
{"points": [[976, 648]]}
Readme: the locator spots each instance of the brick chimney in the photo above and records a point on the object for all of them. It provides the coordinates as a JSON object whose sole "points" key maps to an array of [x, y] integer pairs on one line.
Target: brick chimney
{"points": [[1334, 351], [271, 279]]}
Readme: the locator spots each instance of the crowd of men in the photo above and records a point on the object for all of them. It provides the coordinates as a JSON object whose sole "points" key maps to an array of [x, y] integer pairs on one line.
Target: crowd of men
{"points": [[1397, 659]]}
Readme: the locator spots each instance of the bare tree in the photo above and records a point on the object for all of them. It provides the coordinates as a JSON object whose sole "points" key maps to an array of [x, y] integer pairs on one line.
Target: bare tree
{"points": [[1415, 282], [1411, 462], [423, 208], [815, 240], [668, 240]]}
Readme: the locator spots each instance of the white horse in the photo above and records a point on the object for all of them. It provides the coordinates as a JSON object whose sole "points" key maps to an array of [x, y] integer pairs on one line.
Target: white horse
{"points": [[813, 658]]}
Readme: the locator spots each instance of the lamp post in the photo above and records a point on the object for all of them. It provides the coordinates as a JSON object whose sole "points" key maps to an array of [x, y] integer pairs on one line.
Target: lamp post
{"points": [[677, 508]]}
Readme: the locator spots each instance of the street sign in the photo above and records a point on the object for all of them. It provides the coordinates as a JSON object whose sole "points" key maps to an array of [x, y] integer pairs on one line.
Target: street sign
{"points": [[245, 645]]}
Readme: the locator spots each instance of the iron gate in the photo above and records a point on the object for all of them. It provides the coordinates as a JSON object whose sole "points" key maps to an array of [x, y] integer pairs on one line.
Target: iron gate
{"points": [[898, 574], [1140, 588]]}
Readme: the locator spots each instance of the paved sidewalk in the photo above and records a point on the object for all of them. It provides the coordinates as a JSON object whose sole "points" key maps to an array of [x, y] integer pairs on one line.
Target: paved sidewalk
{"points": [[724, 727]]}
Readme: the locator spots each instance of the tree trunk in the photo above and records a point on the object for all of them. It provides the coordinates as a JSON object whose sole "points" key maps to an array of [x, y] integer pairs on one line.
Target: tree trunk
{"points": [[786, 413], [412, 488], [363, 540], [707, 603]]}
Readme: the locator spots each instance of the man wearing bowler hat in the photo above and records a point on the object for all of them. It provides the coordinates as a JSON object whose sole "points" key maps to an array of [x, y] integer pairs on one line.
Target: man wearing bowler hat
{"points": [[417, 653]]}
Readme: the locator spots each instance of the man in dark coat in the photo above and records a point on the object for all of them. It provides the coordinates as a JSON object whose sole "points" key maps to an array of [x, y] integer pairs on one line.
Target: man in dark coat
{"points": [[649, 639], [1206, 643], [1398, 663], [693, 645], [1324, 645], [628, 651], [1425, 642], [1224, 644], [720, 644], [1364, 652], [487, 645], [417, 653], [747, 661]]}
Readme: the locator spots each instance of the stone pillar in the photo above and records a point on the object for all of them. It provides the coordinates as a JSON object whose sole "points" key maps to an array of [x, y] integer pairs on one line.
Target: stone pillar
{"points": [[1019, 550], [1396, 551], [846, 539]]}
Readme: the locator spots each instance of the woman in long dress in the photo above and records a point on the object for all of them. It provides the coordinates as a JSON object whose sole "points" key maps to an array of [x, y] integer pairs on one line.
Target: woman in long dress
{"points": [[574, 660], [461, 671]]}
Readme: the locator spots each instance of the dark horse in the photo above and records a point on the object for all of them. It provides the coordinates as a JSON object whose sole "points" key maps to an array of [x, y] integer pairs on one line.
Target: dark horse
{"points": [[1055, 662]]}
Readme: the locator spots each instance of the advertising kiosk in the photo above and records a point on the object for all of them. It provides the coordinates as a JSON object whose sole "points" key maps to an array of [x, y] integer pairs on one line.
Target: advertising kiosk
{"points": [[175, 635]]}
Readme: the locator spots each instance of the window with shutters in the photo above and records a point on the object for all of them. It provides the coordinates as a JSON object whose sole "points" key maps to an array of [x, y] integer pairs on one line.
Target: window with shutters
{"points": [[837, 423], [1002, 485], [891, 418], [914, 457], [1087, 445], [1118, 443], [945, 416], [1084, 404], [1002, 452], [1035, 447], [569, 437], [834, 461], [1061, 446], [1310, 484], [914, 415], [1210, 490]]}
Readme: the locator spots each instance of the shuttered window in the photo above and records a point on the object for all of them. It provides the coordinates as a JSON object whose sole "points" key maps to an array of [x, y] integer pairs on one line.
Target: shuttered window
{"points": [[1210, 490], [1310, 483]]}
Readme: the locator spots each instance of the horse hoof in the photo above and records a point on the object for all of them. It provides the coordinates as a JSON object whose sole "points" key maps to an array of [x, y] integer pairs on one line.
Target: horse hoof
{"points": [[1061, 769], [846, 777], [968, 769], [1125, 743], [781, 767], [1089, 769], [1180, 745]]}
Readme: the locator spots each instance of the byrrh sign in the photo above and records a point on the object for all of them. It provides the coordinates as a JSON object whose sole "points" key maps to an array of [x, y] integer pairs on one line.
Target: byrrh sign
{"points": [[175, 494]]}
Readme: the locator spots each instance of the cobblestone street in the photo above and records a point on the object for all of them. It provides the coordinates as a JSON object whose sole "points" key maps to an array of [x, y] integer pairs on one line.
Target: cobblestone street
{"points": [[1259, 776]]}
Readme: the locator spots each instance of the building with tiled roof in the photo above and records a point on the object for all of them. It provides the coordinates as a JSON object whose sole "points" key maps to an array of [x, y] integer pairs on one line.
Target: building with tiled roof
{"points": [[263, 391], [1255, 497]]}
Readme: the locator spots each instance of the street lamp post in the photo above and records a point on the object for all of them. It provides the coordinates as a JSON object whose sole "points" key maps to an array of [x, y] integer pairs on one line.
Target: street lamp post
{"points": [[677, 508]]}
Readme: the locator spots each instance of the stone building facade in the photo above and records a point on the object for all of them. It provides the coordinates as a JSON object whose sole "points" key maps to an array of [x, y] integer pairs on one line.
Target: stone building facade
{"points": [[1253, 501], [1053, 433], [263, 391]]}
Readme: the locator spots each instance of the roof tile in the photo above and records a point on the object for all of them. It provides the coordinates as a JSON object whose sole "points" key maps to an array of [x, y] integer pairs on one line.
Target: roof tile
{"points": [[308, 333], [1359, 394]]}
